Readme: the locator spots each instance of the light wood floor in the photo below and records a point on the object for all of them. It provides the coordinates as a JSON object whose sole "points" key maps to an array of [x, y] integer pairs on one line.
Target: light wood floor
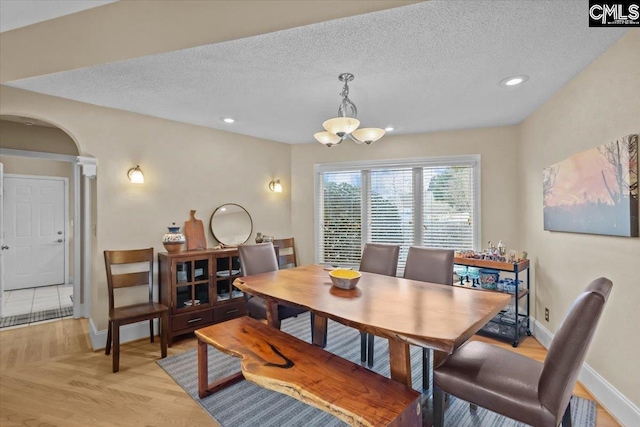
{"points": [[50, 376]]}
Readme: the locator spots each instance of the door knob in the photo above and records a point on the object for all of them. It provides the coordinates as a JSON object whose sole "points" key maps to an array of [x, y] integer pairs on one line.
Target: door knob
{"points": [[59, 241], [5, 247]]}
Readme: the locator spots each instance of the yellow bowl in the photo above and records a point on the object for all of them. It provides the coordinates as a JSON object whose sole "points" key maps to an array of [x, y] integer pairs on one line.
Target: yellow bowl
{"points": [[345, 279]]}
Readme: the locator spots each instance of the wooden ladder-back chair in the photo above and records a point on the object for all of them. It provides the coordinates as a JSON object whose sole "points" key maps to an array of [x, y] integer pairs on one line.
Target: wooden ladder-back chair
{"points": [[286, 253], [133, 313]]}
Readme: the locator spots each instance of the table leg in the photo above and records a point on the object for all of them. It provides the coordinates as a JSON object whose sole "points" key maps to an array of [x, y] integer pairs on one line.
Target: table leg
{"points": [[400, 361], [320, 331], [272, 314]]}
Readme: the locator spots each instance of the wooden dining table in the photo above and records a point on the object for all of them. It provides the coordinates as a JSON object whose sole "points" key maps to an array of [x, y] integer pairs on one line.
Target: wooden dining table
{"points": [[406, 312]]}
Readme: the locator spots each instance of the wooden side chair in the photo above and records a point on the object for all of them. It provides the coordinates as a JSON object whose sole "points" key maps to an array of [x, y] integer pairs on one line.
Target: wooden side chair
{"points": [[286, 253], [378, 258], [520, 388], [133, 313]]}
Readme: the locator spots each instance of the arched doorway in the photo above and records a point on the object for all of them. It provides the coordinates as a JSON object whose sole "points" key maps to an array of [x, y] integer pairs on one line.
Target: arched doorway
{"points": [[45, 257]]}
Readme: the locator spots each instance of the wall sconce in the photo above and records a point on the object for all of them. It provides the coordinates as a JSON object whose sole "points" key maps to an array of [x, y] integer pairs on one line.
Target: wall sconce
{"points": [[135, 175], [275, 186]]}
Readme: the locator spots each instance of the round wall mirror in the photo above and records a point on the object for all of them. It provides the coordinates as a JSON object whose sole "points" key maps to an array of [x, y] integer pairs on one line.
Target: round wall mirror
{"points": [[231, 224]]}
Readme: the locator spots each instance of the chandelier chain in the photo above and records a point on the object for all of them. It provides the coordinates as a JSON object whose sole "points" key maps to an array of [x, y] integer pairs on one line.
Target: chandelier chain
{"points": [[347, 107]]}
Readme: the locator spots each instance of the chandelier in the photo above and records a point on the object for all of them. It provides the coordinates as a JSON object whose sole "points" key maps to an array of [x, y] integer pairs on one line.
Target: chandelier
{"points": [[346, 124]]}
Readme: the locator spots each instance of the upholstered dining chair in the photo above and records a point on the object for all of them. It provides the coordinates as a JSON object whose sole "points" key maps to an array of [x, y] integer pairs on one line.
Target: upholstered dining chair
{"points": [[132, 313], [286, 252], [258, 259], [378, 258], [434, 266], [429, 265], [518, 387]]}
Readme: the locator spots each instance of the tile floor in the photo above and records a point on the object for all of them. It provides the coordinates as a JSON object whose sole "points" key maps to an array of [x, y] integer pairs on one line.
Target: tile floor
{"points": [[25, 301]]}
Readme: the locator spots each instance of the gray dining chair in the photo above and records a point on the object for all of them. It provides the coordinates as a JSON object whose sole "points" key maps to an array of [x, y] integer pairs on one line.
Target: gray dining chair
{"points": [[513, 385], [434, 266], [429, 265], [258, 259], [378, 258]]}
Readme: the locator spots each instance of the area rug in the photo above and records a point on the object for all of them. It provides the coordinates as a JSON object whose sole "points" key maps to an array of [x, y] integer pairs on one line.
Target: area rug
{"points": [[247, 405], [37, 316]]}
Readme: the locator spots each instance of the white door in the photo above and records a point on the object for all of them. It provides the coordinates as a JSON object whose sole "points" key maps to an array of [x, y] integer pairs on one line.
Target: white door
{"points": [[1, 239], [34, 232]]}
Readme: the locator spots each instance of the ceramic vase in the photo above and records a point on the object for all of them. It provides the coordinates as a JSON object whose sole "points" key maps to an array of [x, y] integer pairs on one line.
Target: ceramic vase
{"points": [[174, 239]]}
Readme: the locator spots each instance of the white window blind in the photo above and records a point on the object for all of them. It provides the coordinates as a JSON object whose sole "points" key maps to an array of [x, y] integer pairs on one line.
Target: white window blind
{"points": [[448, 207], [341, 218], [390, 211], [422, 202]]}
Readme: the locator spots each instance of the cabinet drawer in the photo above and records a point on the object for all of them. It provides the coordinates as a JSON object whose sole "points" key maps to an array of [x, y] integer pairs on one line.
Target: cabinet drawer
{"points": [[229, 311], [195, 319]]}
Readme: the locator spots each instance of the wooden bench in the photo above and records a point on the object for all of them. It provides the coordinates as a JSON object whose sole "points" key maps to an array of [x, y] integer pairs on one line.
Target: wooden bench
{"points": [[281, 362]]}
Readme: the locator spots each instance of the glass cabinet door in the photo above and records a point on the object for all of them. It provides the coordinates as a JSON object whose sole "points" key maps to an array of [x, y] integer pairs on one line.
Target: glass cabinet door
{"points": [[192, 283], [227, 270], [183, 272], [235, 292], [201, 270]]}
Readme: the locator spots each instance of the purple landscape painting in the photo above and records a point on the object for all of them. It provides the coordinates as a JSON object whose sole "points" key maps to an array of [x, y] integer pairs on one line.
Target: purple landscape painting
{"points": [[595, 191]]}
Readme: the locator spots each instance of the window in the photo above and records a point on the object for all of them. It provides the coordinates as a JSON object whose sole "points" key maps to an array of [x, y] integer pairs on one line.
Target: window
{"points": [[427, 202]]}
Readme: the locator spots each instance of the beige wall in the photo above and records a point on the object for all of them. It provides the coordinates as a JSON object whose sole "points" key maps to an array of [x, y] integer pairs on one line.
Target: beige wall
{"points": [[186, 167], [35, 138], [600, 105], [498, 148]]}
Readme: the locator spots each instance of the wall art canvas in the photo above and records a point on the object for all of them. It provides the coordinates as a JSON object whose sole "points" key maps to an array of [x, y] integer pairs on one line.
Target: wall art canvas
{"points": [[595, 191]]}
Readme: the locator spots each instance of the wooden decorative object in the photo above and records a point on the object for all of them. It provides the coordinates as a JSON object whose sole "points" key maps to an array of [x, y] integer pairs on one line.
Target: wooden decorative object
{"points": [[281, 362], [194, 232]]}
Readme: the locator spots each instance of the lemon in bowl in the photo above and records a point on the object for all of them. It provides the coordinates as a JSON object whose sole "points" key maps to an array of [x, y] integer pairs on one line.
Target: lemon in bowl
{"points": [[344, 279]]}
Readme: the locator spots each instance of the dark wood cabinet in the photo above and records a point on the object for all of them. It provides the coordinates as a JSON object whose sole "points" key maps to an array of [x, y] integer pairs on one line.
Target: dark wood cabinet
{"points": [[197, 286]]}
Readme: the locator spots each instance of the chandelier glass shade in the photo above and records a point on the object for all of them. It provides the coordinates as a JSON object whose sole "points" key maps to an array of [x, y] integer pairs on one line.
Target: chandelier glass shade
{"points": [[346, 124]]}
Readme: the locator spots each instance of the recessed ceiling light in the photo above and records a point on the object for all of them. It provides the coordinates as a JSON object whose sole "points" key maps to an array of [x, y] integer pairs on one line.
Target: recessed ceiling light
{"points": [[389, 129], [514, 81], [228, 120]]}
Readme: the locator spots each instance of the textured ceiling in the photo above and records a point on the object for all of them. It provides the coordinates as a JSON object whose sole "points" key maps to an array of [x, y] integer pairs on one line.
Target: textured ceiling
{"points": [[15, 14], [424, 67]]}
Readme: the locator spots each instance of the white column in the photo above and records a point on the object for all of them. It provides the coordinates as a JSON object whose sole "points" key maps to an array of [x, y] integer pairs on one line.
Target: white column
{"points": [[89, 171], [78, 310]]}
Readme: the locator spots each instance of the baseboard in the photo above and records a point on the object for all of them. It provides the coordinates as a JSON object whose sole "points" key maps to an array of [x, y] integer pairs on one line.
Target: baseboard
{"points": [[128, 333], [541, 333], [617, 404]]}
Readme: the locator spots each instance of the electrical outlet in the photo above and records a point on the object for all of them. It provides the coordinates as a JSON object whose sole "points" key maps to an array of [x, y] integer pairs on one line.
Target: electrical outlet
{"points": [[546, 314]]}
